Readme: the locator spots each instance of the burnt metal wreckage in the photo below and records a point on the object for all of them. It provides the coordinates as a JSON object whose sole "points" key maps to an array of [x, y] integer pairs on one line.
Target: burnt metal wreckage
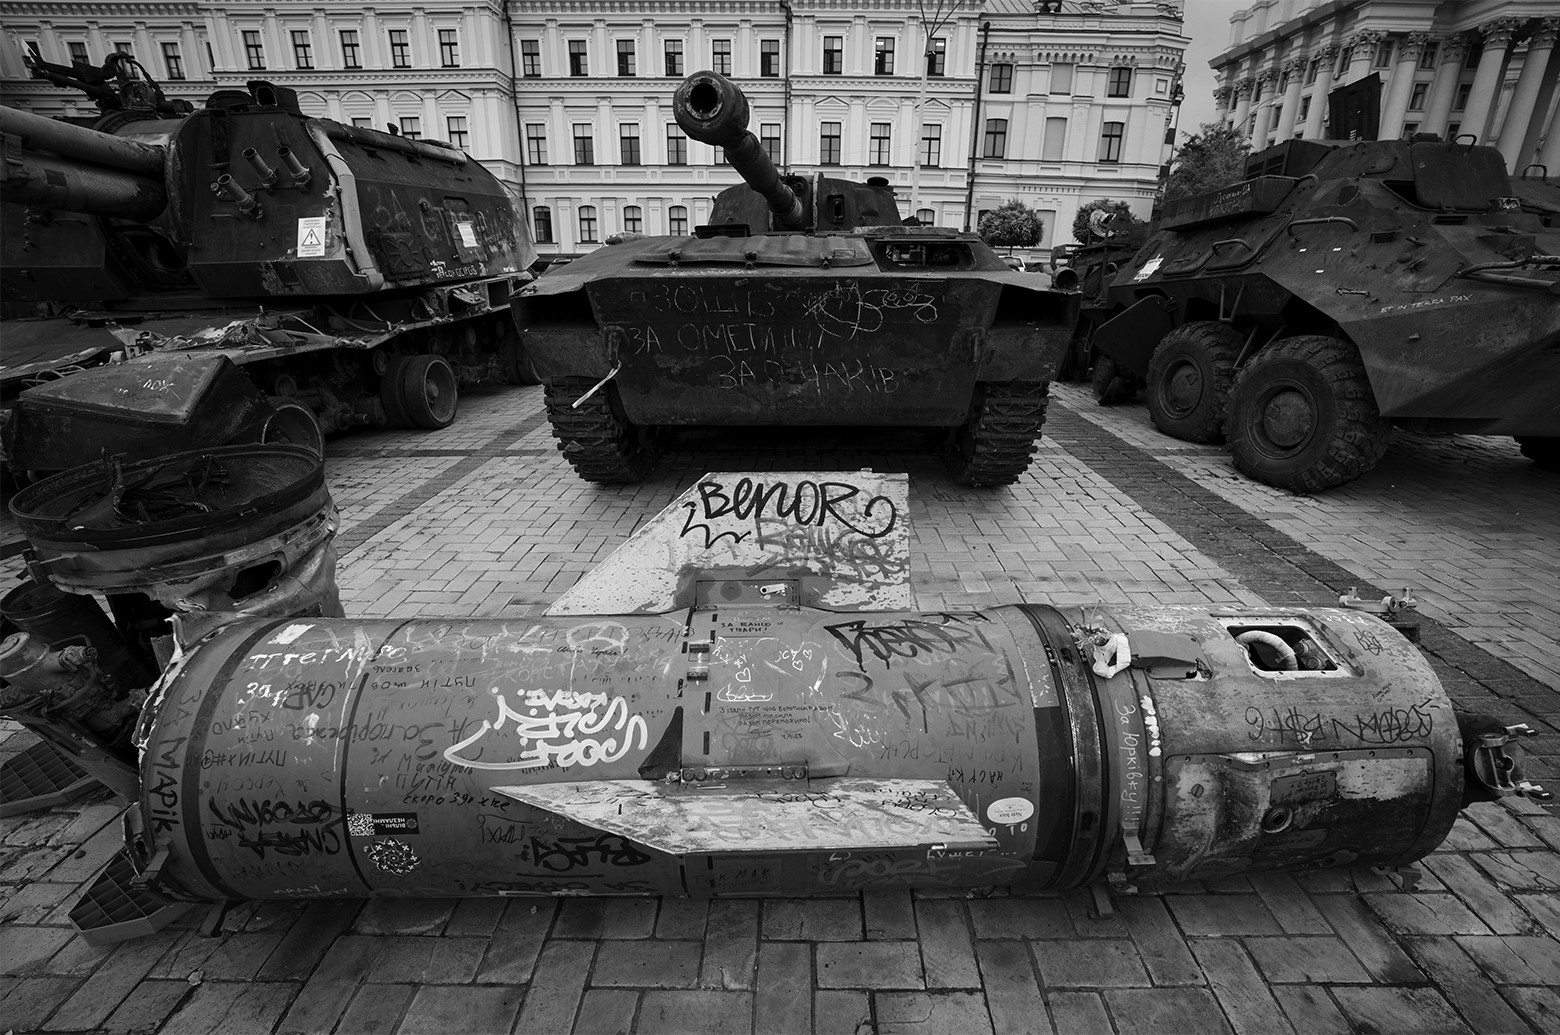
{"points": [[804, 301], [742, 700], [1338, 291], [263, 276]]}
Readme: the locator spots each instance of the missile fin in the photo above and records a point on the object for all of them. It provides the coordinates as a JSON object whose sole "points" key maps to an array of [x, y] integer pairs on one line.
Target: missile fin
{"points": [[784, 816]]}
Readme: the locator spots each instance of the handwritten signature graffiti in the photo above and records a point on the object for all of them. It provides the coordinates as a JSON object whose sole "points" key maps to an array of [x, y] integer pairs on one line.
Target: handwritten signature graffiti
{"points": [[559, 729], [847, 310], [804, 503], [906, 638], [566, 853], [1387, 726]]}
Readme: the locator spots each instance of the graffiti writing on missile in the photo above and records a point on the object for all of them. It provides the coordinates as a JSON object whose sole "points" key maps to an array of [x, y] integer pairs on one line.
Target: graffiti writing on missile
{"points": [[805, 503], [1387, 726], [559, 729], [906, 638], [291, 828]]}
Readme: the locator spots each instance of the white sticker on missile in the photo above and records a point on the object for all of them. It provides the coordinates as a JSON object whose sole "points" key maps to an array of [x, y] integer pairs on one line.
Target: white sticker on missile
{"points": [[311, 237], [1007, 811], [1149, 268], [468, 236]]}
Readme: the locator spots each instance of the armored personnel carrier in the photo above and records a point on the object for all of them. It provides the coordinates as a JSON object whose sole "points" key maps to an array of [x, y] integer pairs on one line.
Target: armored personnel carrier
{"points": [[1339, 290], [804, 301], [264, 274]]}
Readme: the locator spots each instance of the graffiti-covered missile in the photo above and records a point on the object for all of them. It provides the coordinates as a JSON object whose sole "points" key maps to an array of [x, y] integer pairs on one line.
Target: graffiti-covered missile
{"points": [[745, 700]]}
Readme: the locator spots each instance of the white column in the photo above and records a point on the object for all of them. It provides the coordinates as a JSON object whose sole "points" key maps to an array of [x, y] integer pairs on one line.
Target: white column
{"points": [[652, 136], [698, 55], [278, 48], [1550, 155], [603, 56], [1536, 124], [373, 46], [1394, 109], [325, 56], [1520, 113], [1243, 91], [606, 134], [1363, 54], [1295, 69], [1221, 100], [1267, 83], [1316, 118], [1487, 80], [1443, 89], [424, 54]]}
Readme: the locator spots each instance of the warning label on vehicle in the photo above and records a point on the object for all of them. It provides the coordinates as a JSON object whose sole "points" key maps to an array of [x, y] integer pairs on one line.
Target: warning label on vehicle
{"points": [[311, 237], [468, 236]]}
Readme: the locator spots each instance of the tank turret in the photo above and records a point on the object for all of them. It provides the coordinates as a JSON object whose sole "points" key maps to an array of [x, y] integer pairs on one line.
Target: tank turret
{"points": [[713, 110]]}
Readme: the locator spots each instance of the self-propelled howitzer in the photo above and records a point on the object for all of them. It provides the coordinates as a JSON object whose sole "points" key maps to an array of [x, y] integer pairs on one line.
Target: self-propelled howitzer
{"points": [[803, 300]]}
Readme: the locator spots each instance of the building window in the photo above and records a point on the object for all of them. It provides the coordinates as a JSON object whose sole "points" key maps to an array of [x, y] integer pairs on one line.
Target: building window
{"points": [[541, 224], [531, 59], [455, 131], [449, 48], [1345, 56], [676, 145], [720, 56], [362, 122], [1110, 141], [1383, 57], [1061, 76], [1428, 55], [536, 143], [633, 219], [1002, 78], [1258, 90], [351, 53], [883, 59], [1313, 70], [303, 51], [1416, 100], [579, 63], [936, 57], [769, 58], [584, 144], [628, 143], [1120, 83], [880, 143], [829, 144], [996, 139], [119, 48], [211, 58], [1409, 129], [931, 146], [1451, 130], [587, 224], [78, 53], [625, 54], [769, 139], [400, 49], [254, 52], [1051, 149], [1283, 82], [926, 217], [833, 55], [171, 59], [674, 55], [1461, 100], [1305, 110], [677, 220], [411, 126]]}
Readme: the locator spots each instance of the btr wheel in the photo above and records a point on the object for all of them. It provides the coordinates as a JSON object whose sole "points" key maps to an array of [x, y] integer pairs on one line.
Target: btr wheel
{"points": [[1302, 415], [996, 443], [1189, 380], [1111, 384], [1544, 452], [428, 392]]}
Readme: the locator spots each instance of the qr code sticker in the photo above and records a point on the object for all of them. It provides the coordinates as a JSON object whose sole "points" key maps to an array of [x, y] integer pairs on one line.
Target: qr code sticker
{"points": [[360, 824]]}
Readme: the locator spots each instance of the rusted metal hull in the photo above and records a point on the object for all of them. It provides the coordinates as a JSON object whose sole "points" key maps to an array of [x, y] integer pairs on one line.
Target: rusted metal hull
{"points": [[763, 750]]}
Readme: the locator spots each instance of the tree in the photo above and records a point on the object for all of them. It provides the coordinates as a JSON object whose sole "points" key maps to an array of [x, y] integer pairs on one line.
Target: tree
{"points": [[1212, 158], [1013, 224], [1124, 218]]}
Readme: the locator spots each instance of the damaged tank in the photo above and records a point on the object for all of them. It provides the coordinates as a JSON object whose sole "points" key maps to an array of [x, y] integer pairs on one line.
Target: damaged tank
{"points": [[805, 300], [263, 275], [744, 700], [1341, 290]]}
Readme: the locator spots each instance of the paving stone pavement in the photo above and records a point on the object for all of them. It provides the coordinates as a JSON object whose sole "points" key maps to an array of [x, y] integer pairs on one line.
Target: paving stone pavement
{"points": [[485, 519]]}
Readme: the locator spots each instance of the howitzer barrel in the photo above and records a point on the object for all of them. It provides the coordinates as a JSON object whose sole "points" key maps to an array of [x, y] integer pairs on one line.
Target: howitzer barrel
{"points": [[89, 145], [711, 109]]}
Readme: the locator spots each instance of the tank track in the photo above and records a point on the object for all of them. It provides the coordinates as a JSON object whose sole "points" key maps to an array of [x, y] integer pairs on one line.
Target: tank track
{"points": [[996, 446], [598, 443]]}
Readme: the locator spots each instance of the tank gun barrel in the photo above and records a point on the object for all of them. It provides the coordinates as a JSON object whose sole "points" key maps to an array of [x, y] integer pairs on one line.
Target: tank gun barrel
{"points": [[69, 141], [61, 166], [711, 109]]}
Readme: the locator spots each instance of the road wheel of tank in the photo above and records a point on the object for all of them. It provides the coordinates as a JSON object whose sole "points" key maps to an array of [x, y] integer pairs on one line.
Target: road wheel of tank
{"points": [[1111, 384], [517, 365], [1302, 415], [430, 392], [597, 439], [390, 394], [1544, 452], [994, 446], [1189, 380]]}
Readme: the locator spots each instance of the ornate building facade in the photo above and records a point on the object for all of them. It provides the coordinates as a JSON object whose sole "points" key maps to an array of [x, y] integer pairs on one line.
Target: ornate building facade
{"points": [[1478, 69], [570, 101]]}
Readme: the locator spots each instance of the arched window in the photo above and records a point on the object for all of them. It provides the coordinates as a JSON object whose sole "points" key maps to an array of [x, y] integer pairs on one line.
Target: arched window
{"points": [[587, 224], [541, 224], [926, 217], [677, 220], [633, 219]]}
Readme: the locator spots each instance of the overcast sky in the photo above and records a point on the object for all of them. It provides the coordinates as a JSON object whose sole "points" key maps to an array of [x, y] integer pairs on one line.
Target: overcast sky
{"points": [[1208, 24]]}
